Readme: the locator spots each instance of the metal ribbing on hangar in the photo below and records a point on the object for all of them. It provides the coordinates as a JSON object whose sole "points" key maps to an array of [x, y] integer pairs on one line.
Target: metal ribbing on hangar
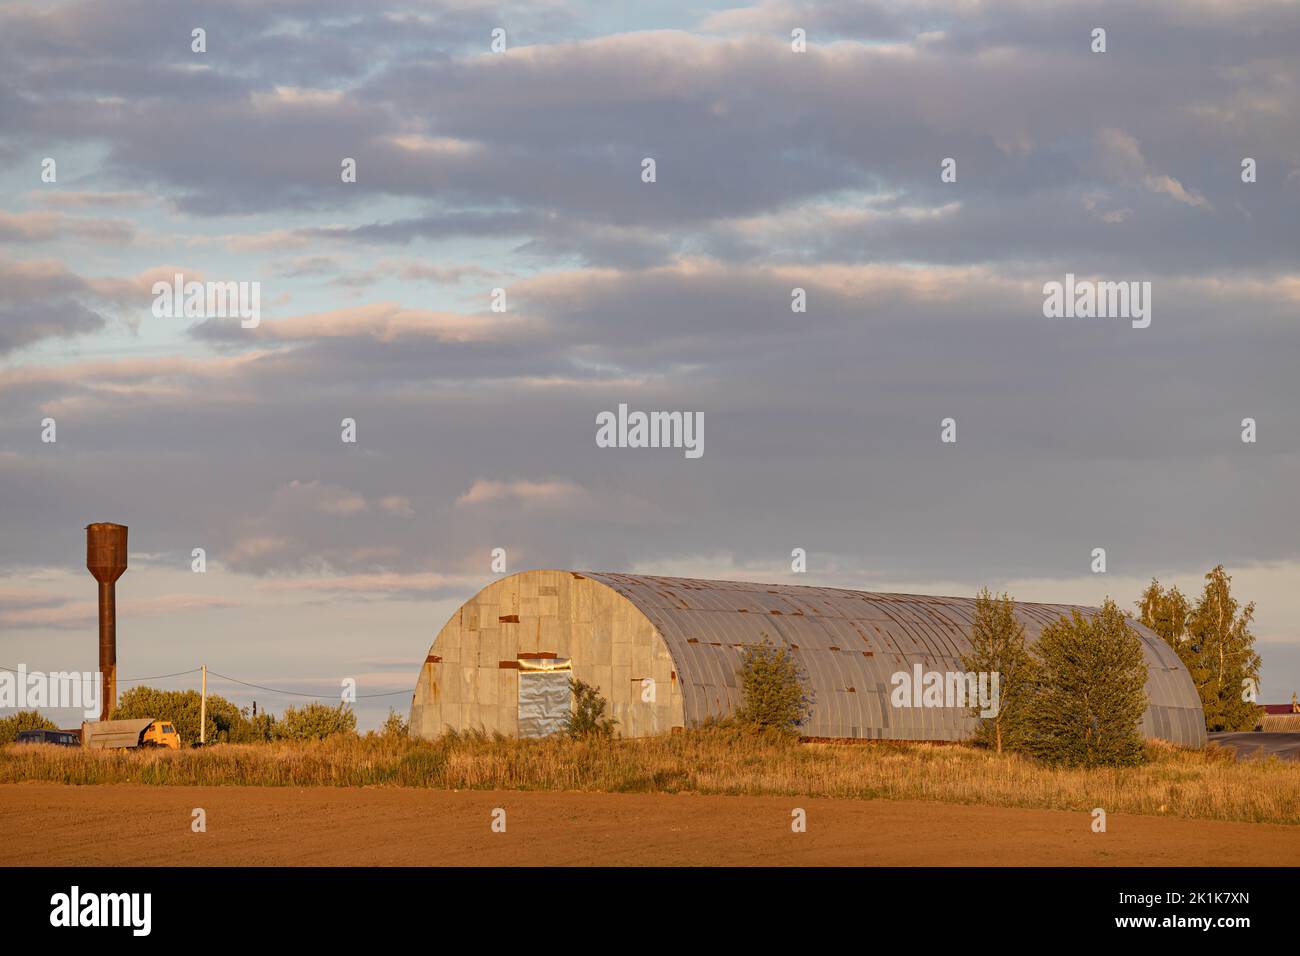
{"points": [[686, 636], [850, 644]]}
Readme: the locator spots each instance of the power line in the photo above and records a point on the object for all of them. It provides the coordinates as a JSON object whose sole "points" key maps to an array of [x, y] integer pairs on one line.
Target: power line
{"points": [[236, 680], [120, 680], [297, 693], [132, 680]]}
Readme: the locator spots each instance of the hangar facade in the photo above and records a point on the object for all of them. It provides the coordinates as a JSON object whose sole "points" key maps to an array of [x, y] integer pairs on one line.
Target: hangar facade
{"points": [[665, 653]]}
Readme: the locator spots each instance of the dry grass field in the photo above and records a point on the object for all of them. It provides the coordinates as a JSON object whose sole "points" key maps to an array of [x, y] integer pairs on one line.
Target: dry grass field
{"points": [[1198, 785]]}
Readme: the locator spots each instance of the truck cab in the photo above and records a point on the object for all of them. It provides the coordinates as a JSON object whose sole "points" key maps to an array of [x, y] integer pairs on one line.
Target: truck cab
{"points": [[161, 733]]}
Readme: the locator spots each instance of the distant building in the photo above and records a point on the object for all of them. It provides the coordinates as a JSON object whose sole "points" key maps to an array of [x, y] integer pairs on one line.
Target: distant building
{"points": [[1291, 708], [1279, 718], [665, 653]]}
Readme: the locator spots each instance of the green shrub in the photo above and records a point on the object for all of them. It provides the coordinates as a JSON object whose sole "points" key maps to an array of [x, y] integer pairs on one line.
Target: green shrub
{"points": [[772, 686], [587, 719], [1091, 692], [395, 725], [12, 726], [315, 721], [253, 729]]}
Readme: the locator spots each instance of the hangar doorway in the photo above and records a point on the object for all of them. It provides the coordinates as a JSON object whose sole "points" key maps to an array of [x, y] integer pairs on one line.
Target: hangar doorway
{"points": [[545, 700]]}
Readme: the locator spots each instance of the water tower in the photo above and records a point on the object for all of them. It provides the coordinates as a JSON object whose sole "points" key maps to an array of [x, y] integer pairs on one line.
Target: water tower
{"points": [[106, 560]]}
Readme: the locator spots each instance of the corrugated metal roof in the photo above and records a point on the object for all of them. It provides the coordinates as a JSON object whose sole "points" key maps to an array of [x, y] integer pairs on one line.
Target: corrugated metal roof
{"points": [[851, 643]]}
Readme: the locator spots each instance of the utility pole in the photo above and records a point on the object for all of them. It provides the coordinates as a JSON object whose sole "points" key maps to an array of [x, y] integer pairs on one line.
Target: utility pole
{"points": [[203, 709]]}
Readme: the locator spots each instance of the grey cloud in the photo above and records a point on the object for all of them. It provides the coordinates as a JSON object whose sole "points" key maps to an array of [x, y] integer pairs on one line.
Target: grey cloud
{"points": [[821, 428], [23, 326], [551, 137], [42, 299]]}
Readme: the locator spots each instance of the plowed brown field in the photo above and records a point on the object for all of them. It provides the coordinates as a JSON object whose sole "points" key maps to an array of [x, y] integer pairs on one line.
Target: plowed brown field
{"points": [[53, 824]]}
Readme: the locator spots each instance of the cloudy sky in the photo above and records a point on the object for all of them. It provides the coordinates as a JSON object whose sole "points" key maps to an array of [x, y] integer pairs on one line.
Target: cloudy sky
{"points": [[522, 170]]}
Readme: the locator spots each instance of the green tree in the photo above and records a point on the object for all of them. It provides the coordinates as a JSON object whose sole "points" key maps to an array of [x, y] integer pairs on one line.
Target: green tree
{"points": [[1166, 612], [315, 721], [587, 717], [182, 708], [772, 688], [254, 728], [998, 647], [14, 724], [1222, 656], [1091, 691], [226, 723]]}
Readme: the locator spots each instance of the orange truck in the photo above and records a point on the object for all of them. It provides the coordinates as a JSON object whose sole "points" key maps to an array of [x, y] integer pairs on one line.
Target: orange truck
{"points": [[129, 734]]}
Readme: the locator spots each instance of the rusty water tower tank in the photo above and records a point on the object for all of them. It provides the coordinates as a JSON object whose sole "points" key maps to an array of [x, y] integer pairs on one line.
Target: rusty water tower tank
{"points": [[106, 560]]}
